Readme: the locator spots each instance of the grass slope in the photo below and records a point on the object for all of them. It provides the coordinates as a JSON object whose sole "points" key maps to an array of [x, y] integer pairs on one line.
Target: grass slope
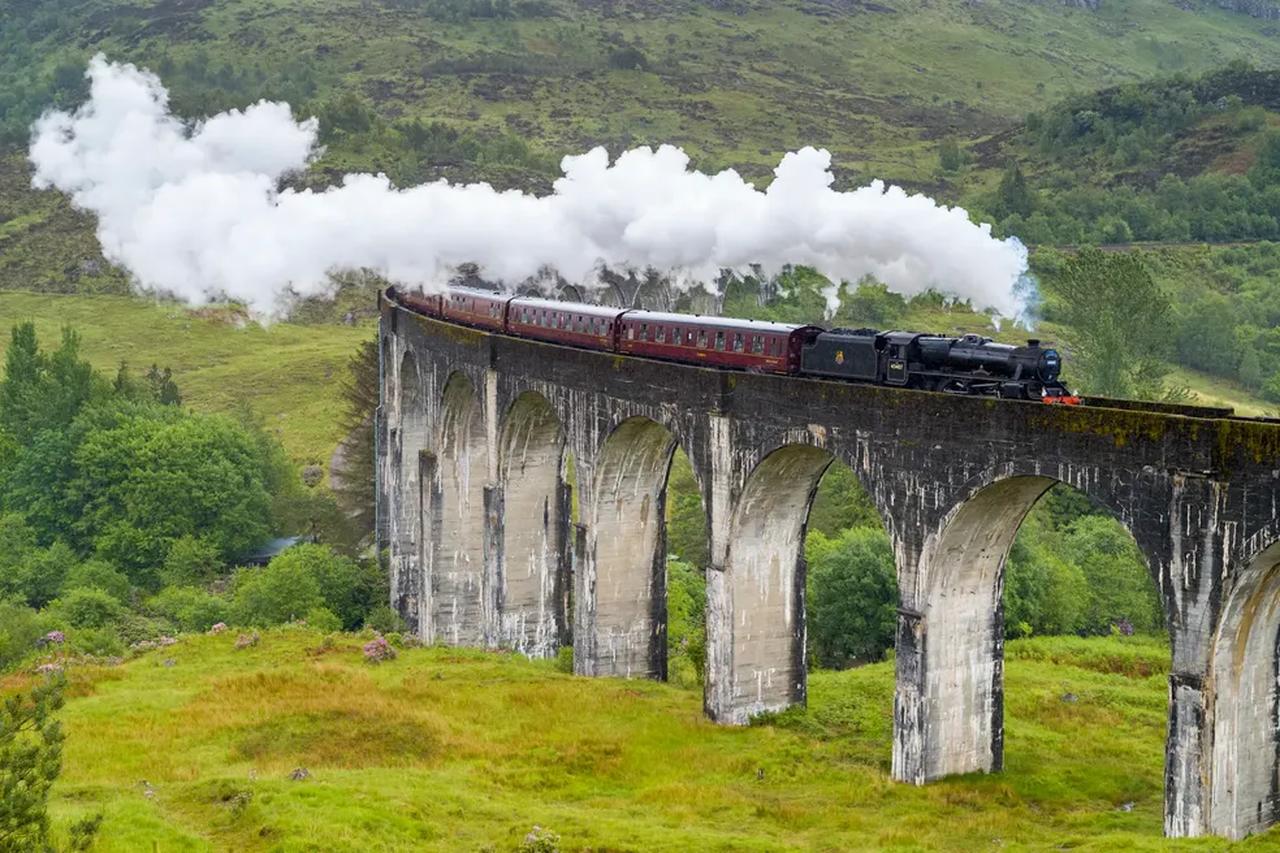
{"points": [[191, 747], [288, 374]]}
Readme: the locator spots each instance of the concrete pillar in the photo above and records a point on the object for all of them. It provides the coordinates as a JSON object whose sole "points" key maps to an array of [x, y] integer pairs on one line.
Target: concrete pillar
{"points": [[1237, 739], [756, 634], [623, 583], [949, 703], [459, 609]]}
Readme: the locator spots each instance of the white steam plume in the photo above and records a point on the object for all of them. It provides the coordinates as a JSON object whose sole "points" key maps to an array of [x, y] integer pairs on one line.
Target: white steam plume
{"points": [[196, 211]]}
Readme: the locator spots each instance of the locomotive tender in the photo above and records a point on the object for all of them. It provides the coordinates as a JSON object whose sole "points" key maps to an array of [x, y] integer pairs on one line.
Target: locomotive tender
{"points": [[970, 364]]}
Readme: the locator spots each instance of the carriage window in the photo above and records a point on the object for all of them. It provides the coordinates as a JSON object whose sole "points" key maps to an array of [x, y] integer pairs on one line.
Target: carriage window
{"points": [[631, 333], [737, 342], [644, 332], [720, 341], [702, 339], [660, 335], [675, 335], [757, 343]]}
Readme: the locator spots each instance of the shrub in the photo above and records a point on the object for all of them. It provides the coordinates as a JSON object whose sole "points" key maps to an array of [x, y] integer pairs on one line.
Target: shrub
{"points": [[564, 659], [324, 620], [378, 650], [99, 642], [278, 593], [20, 628], [384, 620], [190, 561], [189, 608], [40, 575], [96, 574], [135, 627], [306, 577], [87, 608]]}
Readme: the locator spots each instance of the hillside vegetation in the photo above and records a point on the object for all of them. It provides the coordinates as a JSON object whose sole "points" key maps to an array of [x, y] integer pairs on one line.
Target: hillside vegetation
{"points": [[288, 374], [471, 89], [192, 747]]}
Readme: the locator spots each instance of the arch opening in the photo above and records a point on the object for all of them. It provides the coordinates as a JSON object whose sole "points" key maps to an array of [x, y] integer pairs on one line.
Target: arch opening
{"points": [[534, 556], [460, 610], [1006, 563], [621, 620], [1245, 676], [761, 627]]}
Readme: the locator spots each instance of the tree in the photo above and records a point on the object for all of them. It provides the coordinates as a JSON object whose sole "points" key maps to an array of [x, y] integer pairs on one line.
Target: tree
{"points": [[1250, 370], [281, 591], [1207, 338], [159, 474], [950, 158], [1119, 321], [348, 588], [1119, 585], [686, 518], [852, 597], [1013, 195], [191, 560], [30, 760], [353, 483], [686, 622]]}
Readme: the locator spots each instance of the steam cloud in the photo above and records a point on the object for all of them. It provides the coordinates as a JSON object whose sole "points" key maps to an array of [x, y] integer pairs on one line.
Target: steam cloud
{"points": [[195, 210]]}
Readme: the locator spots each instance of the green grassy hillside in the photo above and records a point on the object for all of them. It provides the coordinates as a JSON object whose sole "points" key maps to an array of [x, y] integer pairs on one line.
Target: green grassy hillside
{"points": [[517, 84], [287, 373], [191, 748]]}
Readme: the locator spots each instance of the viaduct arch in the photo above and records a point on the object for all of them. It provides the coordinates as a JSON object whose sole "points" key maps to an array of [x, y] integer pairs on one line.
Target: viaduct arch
{"points": [[473, 429]]}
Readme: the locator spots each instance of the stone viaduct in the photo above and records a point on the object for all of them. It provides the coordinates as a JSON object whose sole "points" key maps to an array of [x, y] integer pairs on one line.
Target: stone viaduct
{"points": [[473, 434]]}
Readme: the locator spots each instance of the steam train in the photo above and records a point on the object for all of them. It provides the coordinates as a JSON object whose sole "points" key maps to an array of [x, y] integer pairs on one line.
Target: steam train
{"points": [[966, 365]]}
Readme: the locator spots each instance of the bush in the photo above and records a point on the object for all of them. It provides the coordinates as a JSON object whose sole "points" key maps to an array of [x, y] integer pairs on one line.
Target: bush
{"points": [[384, 620], [19, 629], [323, 620], [564, 659], [87, 608], [189, 608], [280, 592], [190, 562], [96, 574], [40, 574], [99, 642], [347, 587]]}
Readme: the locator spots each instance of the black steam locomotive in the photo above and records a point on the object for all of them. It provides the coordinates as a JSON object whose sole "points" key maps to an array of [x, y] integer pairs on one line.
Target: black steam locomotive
{"points": [[970, 364]]}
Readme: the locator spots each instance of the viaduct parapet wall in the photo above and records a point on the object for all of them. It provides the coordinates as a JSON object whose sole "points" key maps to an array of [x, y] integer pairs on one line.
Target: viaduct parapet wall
{"points": [[475, 430]]}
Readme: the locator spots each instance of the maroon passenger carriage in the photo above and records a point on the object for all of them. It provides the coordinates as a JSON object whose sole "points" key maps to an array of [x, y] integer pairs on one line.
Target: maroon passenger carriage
{"points": [[570, 323], [717, 341], [483, 308]]}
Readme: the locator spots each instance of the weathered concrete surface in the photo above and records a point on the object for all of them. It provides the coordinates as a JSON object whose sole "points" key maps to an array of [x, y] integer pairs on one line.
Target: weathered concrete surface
{"points": [[762, 621], [951, 476], [534, 529]]}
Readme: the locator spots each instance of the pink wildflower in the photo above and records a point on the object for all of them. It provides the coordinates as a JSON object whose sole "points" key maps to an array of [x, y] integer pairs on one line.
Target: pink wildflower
{"points": [[378, 650]]}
